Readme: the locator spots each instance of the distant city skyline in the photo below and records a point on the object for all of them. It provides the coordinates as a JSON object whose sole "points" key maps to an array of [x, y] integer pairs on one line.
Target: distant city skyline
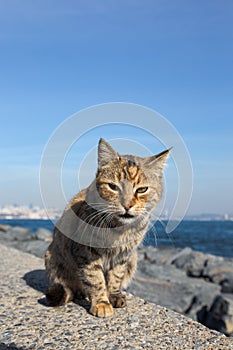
{"points": [[174, 57], [15, 211]]}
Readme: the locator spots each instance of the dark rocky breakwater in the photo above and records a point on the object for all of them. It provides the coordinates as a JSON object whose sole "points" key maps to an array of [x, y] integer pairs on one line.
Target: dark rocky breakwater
{"points": [[194, 284], [23, 239]]}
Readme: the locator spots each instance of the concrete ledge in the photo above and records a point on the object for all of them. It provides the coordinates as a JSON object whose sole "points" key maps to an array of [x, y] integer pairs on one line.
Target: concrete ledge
{"points": [[27, 323]]}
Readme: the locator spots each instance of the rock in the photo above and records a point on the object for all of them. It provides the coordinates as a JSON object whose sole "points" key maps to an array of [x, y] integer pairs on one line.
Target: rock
{"points": [[5, 228], [220, 273], [19, 233], [4, 237], [35, 247], [227, 285], [218, 318], [229, 317], [168, 286], [165, 276], [22, 239], [216, 272], [229, 298], [196, 264], [192, 262], [44, 234], [159, 256], [180, 258]]}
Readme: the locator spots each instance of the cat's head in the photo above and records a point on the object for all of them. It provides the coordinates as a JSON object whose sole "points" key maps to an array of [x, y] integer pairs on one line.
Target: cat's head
{"points": [[130, 186]]}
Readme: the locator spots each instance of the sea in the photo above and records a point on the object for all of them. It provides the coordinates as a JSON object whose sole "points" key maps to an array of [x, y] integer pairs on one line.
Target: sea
{"points": [[214, 237]]}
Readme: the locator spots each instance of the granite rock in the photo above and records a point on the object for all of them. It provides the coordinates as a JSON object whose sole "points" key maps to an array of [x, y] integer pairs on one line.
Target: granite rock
{"points": [[190, 282], [44, 234], [5, 228], [218, 317], [19, 234], [220, 273], [16, 234], [35, 247], [172, 288], [23, 239]]}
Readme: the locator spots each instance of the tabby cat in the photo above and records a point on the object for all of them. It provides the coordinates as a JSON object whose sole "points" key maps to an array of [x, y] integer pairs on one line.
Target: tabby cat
{"points": [[93, 254]]}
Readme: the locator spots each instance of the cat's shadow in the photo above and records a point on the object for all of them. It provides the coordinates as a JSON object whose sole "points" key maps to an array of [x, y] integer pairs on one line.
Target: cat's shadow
{"points": [[38, 280], [11, 346]]}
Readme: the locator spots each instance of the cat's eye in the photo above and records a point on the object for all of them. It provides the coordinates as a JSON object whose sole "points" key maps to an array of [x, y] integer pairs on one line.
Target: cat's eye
{"points": [[141, 190], [113, 187]]}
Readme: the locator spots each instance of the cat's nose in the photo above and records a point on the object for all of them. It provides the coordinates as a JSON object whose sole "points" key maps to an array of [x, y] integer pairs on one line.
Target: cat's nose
{"points": [[128, 206]]}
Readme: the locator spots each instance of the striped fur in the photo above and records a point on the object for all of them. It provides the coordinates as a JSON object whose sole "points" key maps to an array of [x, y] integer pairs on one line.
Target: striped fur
{"points": [[94, 250]]}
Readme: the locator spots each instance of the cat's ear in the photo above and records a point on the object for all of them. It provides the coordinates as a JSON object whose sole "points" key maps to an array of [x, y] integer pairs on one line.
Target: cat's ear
{"points": [[105, 153], [158, 160]]}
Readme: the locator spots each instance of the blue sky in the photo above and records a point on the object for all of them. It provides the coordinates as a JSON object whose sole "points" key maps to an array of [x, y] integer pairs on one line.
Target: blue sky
{"points": [[58, 57]]}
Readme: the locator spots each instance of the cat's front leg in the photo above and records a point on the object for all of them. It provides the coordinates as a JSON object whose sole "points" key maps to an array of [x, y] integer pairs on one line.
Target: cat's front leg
{"points": [[114, 281], [118, 278], [94, 286]]}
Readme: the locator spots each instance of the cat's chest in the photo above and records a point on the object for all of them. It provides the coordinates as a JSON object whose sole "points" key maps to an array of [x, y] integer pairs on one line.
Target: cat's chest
{"points": [[115, 257]]}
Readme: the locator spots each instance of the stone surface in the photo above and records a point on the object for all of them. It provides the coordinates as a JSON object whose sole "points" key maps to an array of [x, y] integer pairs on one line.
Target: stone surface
{"points": [[17, 233], [23, 239], [192, 262], [218, 318], [27, 323], [36, 247], [172, 288], [5, 228], [219, 273], [187, 281], [227, 285], [180, 279], [44, 234]]}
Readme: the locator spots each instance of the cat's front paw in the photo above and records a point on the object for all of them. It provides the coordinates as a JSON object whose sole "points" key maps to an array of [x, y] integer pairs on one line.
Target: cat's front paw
{"points": [[102, 309], [117, 300]]}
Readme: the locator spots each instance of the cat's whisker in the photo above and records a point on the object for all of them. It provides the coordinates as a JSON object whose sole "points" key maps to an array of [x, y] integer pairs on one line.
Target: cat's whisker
{"points": [[155, 233], [99, 221], [98, 206], [106, 230], [170, 236], [87, 223], [152, 227], [93, 215]]}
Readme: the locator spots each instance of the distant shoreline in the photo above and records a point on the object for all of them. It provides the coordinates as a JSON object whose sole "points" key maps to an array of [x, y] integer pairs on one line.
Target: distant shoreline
{"points": [[33, 212]]}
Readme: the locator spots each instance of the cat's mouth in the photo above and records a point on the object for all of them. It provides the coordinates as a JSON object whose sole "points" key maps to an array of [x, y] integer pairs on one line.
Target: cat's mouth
{"points": [[126, 216]]}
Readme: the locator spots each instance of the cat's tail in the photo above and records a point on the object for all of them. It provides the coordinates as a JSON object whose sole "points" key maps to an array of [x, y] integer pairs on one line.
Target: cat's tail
{"points": [[58, 295]]}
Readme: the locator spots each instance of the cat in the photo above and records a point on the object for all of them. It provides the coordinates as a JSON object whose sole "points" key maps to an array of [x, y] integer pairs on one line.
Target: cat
{"points": [[93, 254]]}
